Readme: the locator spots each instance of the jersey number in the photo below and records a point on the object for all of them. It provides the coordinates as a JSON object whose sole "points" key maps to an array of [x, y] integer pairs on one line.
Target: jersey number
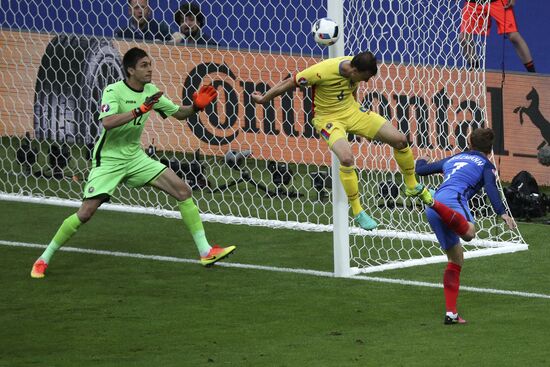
{"points": [[457, 166], [137, 121]]}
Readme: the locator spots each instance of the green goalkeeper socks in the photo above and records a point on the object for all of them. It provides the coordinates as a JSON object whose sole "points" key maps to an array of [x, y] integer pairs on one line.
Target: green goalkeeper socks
{"points": [[191, 218], [64, 233]]}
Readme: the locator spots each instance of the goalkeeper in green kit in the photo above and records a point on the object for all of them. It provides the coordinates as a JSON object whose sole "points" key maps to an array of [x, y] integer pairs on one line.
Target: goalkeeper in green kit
{"points": [[118, 156]]}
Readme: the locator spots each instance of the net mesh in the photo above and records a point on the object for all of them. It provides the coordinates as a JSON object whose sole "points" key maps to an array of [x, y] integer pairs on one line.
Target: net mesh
{"points": [[427, 86], [249, 164]]}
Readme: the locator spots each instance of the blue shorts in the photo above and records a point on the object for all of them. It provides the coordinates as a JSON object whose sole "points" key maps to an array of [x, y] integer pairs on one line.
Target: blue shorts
{"points": [[446, 237]]}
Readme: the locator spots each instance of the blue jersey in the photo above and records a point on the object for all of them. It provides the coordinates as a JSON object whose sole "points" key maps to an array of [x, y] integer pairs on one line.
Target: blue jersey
{"points": [[465, 174]]}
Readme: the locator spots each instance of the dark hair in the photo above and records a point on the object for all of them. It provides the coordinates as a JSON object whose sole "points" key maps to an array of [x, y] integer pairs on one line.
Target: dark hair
{"points": [[482, 140], [131, 58], [187, 9], [365, 61]]}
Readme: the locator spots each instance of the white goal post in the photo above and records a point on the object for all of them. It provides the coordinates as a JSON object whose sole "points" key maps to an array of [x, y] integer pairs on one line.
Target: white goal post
{"points": [[248, 164]]}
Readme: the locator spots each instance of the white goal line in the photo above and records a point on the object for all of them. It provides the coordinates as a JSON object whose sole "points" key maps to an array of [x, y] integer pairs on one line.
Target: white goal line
{"points": [[317, 273]]}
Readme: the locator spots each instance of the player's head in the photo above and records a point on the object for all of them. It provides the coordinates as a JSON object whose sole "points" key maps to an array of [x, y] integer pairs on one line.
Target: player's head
{"points": [[189, 18], [139, 11], [482, 140], [363, 66], [137, 65]]}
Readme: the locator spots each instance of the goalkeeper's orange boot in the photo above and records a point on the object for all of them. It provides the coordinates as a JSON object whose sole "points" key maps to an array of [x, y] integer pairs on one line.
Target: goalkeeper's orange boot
{"points": [[452, 319], [39, 268], [216, 254], [422, 192]]}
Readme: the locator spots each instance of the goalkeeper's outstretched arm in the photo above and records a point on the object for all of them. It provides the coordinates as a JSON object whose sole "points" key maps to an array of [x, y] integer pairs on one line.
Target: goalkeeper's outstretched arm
{"points": [[184, 112], [280, 88], [119, 119], [202, 98]]}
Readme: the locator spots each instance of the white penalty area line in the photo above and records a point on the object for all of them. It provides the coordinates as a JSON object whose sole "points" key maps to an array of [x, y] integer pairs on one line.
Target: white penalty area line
{"points": [[317, 273]]}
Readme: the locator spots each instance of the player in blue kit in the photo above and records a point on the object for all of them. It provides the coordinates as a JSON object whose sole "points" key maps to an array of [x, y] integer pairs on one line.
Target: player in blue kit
{"points": [[449, 215]]}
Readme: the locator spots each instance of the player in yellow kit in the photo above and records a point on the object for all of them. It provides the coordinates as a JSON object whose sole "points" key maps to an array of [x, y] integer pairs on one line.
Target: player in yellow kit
{"points": [[337, 113]]}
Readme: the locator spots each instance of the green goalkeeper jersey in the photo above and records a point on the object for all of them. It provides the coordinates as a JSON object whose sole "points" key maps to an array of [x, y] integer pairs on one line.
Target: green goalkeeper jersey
{"points": [[124, 142]]}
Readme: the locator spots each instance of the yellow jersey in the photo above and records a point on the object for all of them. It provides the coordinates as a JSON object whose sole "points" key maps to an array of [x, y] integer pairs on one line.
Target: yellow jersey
{"points": [[333, 94]]}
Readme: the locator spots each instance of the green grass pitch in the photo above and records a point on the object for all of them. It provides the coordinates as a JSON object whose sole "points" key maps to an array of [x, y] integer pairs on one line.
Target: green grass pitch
{"points": [[101, 310]]}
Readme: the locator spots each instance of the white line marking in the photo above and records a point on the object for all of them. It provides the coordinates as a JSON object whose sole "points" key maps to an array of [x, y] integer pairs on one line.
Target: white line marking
{"points": [[280, 270]]}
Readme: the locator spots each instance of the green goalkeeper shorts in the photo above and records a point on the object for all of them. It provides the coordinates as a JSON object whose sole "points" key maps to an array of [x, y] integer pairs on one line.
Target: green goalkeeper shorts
{"points": [[136, 172]]}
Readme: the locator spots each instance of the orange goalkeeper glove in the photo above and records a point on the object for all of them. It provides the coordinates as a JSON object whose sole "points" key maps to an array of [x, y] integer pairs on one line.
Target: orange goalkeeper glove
{"points": [[147, 105], [204, 97]]}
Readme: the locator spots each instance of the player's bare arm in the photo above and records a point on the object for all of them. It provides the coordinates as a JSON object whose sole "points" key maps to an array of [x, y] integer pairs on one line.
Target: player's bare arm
{"points": [[510, 222], [119, 119], [184, 112], [279, 88], [110, 122]]}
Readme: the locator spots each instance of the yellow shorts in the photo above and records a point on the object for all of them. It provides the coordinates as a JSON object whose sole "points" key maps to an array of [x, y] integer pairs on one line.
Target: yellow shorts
{"points": [[358, 121]]}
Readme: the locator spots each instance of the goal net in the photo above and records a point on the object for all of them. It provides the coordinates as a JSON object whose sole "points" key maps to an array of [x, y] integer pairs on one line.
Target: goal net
{"points": [[247, 164], [436, 97]]}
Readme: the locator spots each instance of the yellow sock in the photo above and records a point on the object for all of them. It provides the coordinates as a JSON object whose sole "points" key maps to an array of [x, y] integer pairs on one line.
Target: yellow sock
{"points": [[348, 176], [405, 161]]}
